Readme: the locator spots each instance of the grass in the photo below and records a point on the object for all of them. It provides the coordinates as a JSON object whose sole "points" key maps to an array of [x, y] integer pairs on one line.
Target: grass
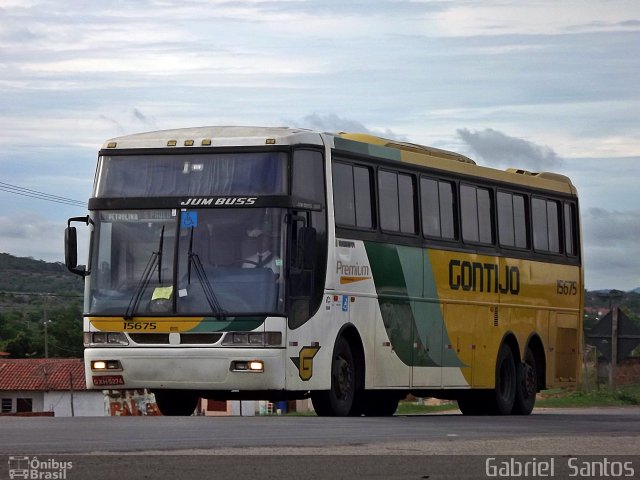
{"points": [[409, 408], [627, 395], [624, 395]]}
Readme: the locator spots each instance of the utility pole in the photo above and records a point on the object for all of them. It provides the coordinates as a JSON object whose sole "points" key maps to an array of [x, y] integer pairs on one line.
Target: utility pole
{"points": [[614, 348], [46, 324], [71, 392], [614, 297]]}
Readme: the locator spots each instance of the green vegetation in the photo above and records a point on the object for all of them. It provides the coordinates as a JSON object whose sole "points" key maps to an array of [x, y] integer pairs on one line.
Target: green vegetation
{"points": [[415, 408], [28, 287], [623, 395], [27, 275], [627, 395]]}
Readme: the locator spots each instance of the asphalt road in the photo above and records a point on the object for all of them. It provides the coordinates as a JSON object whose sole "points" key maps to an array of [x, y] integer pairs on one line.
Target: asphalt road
{"points": [[425, 446]]}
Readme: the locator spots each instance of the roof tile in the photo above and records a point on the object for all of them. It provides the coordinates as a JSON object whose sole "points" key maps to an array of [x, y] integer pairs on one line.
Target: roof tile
{"points": [[42, 374]]}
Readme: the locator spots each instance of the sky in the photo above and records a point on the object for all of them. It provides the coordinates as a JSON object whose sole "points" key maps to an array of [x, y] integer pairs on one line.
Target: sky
{"points": [[545, 85]]}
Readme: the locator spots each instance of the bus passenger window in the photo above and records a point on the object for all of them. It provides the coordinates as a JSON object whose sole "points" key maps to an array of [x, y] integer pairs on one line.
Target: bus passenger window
{"points": [[406, 204], [343, 194], [447, 210], [430, 201], [520, 222], [546, 226], [512, 220], [477, 217], [570, 229], [352, 195], [362, 184], [553, 220], [388, 190], [437, 209], [397, 206], [505, 219]]}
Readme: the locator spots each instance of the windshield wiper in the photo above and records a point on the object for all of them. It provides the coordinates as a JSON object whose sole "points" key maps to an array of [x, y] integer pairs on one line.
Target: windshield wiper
{"points": [[209, 294], [154, 261]]}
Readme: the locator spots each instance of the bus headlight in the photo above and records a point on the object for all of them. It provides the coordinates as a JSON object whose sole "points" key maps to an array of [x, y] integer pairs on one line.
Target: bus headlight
{"points": [[253, 339], [247, 366], [115, 339], [102, 365]]}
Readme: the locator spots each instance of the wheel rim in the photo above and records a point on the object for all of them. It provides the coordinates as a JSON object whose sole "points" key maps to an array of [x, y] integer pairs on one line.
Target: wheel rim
{"points": [[528, 380]]}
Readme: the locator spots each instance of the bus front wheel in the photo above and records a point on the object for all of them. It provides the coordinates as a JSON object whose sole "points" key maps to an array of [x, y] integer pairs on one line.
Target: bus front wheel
{"points": [[339, 401], [176, 403]]}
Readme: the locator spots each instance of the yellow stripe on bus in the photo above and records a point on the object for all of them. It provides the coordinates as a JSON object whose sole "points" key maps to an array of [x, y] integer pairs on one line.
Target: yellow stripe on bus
{"points": [[145, 324]]}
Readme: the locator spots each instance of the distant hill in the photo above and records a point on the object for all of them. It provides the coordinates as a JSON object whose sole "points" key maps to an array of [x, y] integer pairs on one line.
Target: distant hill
{"points": [[25, 274]]}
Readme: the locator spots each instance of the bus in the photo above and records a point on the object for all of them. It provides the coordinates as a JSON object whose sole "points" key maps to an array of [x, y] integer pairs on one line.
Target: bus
{"points": [[281, 263]]}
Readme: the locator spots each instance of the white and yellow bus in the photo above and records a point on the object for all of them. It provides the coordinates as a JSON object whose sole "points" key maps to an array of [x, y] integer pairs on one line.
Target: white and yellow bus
{"points": [[278, 263]]}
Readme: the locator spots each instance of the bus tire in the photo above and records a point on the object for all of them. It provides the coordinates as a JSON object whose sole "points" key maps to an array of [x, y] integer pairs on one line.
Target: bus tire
{"points": [[379, 404], [339, 401], [504, 395], [475, 403], [176, 403], [526, 385]]}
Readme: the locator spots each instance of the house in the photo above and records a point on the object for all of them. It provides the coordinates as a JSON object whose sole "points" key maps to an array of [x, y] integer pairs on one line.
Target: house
{"points": [[54, 386]]}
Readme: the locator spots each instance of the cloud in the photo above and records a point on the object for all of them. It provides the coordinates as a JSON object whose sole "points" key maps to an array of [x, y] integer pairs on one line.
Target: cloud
{"points": [[32, 235], [499, 149], [612, 250], [497, 17], [144, 119], [334, 123], [612, 228]]}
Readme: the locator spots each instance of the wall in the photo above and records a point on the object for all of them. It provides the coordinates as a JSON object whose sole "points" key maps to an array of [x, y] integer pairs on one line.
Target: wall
{"points": [[130, 403], [37, 398], [85, 403]]}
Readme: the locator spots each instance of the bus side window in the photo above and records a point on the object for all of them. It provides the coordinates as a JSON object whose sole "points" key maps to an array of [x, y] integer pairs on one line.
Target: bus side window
{"points": [[546, 225], [352, 195], [570, 229], [397, 204], [438, 208], [477, 214], [512, 220]]}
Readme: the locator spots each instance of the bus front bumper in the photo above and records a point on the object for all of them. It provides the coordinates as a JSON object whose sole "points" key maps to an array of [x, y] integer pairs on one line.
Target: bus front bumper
{"points": [[185, 368]]}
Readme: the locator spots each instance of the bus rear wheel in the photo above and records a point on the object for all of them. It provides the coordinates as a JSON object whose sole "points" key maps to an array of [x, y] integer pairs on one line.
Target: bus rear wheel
{"points": [[503, 397], [339, 401], [474, 403], [527, 385], [176, 403]]}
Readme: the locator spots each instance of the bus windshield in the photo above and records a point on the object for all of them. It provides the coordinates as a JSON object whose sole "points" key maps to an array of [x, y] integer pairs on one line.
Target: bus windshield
{"points": [[194, 262], [254, 173]]}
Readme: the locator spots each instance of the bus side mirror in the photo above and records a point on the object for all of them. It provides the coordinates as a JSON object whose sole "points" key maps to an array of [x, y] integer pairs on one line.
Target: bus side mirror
{"points": [[71, 248]]}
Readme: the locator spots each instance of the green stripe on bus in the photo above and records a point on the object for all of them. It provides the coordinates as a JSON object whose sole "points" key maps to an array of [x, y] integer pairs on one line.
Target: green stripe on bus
{"points": [[408, 300], [367, 149]]}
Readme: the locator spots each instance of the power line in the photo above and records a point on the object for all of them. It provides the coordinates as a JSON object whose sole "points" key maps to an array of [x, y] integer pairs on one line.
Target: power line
{"points": [[27, 192], [37, 294]]}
